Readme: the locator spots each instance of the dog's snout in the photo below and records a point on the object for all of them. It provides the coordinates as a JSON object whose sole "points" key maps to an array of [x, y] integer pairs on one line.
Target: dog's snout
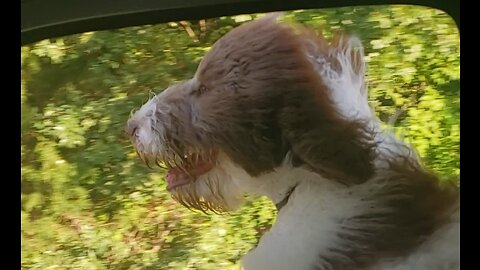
{"points": [[132, 127]]}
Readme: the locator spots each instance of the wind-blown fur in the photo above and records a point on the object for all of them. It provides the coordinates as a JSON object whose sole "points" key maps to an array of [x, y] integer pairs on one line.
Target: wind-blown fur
{"points": [[277, 110]]}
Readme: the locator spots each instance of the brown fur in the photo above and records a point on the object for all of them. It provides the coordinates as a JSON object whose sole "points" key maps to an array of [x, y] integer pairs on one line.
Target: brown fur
{"points": [[278, 103], [416, 205]]}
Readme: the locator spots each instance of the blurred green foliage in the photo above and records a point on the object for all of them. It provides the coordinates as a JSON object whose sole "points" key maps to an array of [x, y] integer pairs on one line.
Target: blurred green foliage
{"points": [[87, 201]]}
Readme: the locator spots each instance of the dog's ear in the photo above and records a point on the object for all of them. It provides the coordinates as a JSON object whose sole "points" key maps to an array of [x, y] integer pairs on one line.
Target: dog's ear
{"points": [[325, 142], [316, 118]]}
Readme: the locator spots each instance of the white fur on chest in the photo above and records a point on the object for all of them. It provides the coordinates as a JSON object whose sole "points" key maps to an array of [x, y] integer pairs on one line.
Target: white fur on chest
{"points": [[307, 226]]}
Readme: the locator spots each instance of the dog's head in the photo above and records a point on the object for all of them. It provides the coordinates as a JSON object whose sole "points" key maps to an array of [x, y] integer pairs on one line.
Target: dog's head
{"points": [[255, 99]]}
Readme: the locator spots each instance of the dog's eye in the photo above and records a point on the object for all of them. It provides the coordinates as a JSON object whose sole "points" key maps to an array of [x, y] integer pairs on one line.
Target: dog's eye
{"points": [[201, 89]]}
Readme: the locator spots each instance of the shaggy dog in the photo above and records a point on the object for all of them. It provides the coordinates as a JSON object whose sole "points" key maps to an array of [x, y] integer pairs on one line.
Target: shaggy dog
{"points": [[276, 110]]}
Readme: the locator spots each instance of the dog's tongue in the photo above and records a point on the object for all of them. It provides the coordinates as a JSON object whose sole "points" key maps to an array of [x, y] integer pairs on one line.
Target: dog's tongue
{"points": [[177, 177]]}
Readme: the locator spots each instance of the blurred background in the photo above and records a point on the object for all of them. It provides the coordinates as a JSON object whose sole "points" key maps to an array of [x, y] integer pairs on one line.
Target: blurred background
{"points": [[89, 203]]}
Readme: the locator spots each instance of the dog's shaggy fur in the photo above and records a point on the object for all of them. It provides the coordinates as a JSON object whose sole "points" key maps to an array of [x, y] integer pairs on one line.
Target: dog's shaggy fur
{"points": [[277, 110]]}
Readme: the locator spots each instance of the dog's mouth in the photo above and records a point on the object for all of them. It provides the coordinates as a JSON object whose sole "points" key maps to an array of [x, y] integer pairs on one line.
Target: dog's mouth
{"points": [[185, 169], [183, 165]]}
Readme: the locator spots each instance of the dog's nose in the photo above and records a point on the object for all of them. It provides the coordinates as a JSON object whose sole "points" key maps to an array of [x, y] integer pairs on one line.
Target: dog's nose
{"points": [[132, 127]]}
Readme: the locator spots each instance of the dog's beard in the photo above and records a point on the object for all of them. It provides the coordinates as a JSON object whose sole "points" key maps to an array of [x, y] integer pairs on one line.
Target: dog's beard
{"points": [[203, 195], [200, 183], [214, 191]]}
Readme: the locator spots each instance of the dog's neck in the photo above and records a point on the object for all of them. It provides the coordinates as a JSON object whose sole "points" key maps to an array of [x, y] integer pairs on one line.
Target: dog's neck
{"points": [[305, 225], [276, 185], [317, 222], [325, 224]]}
